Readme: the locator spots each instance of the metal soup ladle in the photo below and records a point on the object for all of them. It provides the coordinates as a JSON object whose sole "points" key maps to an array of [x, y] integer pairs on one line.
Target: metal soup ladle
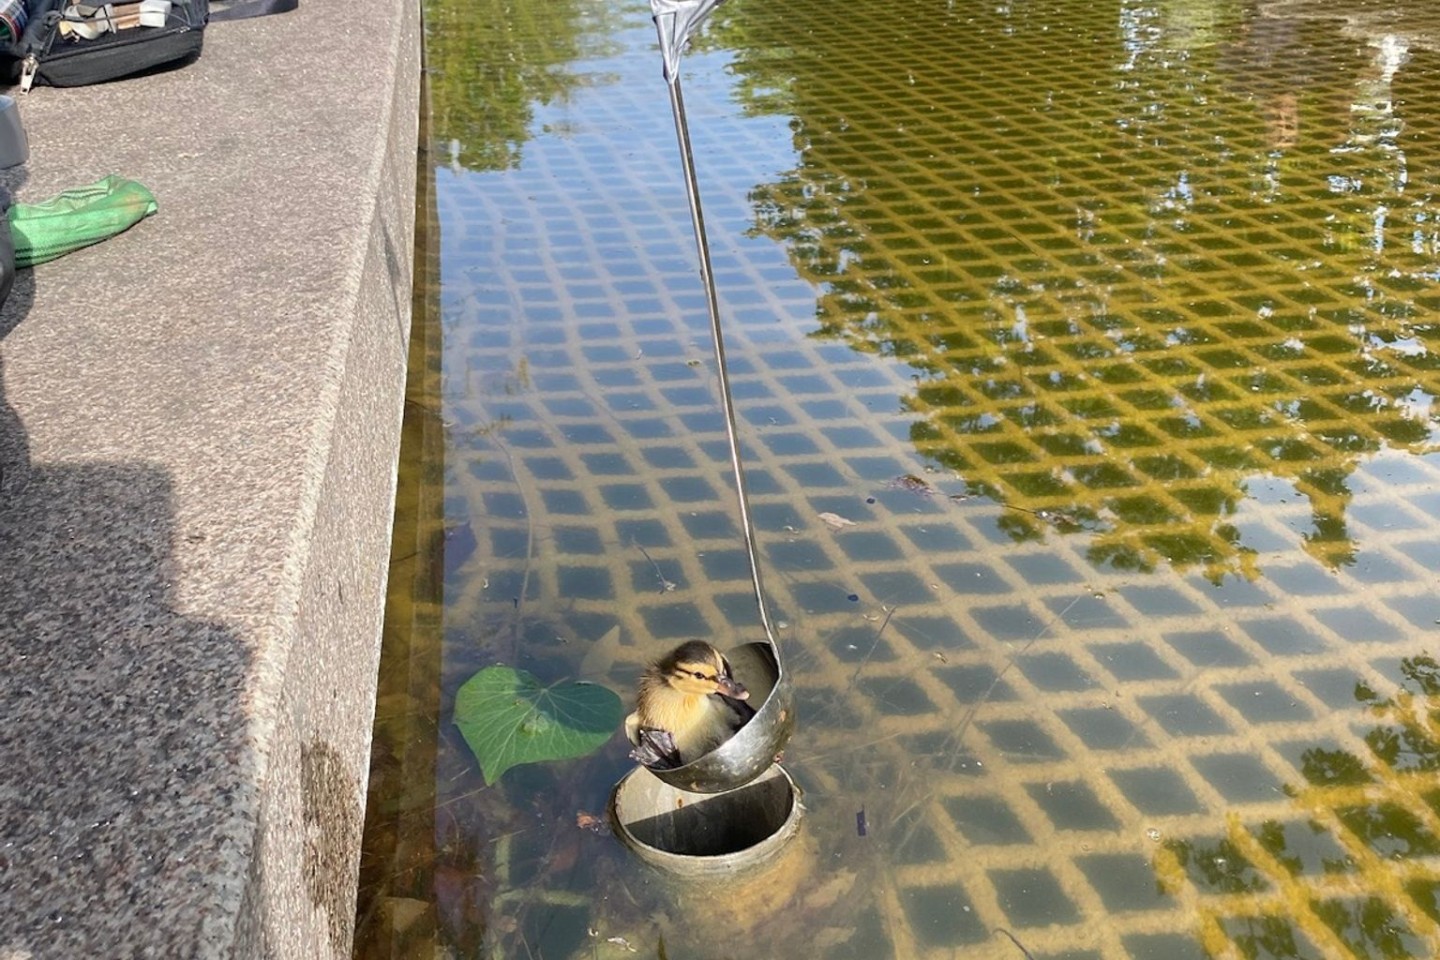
{"points": [[755, 746]]}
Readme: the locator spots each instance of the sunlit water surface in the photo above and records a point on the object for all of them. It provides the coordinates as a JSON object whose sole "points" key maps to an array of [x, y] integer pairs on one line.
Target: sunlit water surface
{"points": [[1106, 335]]}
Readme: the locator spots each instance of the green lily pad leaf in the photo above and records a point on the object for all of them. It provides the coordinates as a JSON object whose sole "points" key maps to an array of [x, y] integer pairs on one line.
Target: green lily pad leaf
{"points": [[508, 719]]}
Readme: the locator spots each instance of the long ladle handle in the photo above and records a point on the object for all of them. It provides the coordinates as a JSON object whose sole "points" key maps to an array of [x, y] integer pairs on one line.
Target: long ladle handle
{"points": [[697, 217]]}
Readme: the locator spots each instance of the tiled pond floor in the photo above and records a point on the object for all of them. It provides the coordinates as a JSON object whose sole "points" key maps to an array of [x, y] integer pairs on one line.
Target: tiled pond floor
{"points": [[1110, 332]]}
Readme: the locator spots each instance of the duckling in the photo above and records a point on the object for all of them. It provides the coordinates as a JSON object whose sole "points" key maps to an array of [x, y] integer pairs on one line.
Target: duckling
{"points": [[688, 704]]}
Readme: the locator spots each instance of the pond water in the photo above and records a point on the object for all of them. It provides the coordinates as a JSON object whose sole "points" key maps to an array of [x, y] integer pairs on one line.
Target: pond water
{"points": [[1105, 334]]}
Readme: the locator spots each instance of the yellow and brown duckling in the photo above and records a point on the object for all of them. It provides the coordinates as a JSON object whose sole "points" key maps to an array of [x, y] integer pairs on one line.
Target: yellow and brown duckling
{"points": [[688, 704]]}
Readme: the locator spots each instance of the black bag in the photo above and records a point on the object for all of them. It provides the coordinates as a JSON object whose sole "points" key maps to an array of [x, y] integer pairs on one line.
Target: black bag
{"points": [[69, 44], [64, 47]]}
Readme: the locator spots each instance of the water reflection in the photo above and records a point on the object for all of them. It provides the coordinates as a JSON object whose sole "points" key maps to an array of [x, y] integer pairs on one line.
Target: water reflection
{"points": [[490, 64], [1350, 837], [1122, 303]]}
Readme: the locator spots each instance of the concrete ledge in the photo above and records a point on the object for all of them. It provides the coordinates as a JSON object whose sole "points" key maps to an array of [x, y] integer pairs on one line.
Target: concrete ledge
{"points": [[199, 424]]}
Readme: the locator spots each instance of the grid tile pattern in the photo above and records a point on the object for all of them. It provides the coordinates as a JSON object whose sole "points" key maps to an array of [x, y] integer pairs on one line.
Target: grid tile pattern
{"points": [[1120, 362]]}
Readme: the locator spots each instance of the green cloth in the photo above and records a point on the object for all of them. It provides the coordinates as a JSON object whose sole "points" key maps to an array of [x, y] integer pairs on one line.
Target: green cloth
{"points": [[77, 218]]}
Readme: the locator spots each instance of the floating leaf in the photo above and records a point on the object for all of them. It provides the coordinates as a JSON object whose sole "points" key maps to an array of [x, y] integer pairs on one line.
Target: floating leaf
{"points": [[508, 719]]}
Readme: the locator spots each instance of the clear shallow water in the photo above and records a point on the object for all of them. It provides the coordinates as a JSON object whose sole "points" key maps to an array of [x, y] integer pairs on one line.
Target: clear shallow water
{"points": [[1112, 330]]}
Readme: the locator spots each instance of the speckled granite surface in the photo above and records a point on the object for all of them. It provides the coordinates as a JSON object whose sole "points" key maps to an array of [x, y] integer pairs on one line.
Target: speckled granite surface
{"points": [[199, 423]]}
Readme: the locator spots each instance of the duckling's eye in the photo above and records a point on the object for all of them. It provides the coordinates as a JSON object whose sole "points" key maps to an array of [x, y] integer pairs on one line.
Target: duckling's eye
{"points": [[698, 675]]}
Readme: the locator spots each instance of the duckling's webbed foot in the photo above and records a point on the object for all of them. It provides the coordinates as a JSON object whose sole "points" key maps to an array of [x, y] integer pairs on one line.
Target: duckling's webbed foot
{"points": [[741, 708], [656, 749]]}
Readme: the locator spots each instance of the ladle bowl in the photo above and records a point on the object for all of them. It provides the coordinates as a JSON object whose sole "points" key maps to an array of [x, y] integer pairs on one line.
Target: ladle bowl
{"points": [[755, 746]]}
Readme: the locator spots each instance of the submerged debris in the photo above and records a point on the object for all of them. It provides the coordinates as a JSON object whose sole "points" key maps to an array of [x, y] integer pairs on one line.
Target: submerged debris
{"points": [[1014, 940], [909, 481], [836, 522], [1056, 518], [666, 585]]}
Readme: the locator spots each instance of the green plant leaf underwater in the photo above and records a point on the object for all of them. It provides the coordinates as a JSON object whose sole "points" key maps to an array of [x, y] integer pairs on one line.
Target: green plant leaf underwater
{"points": [[507, 718]]}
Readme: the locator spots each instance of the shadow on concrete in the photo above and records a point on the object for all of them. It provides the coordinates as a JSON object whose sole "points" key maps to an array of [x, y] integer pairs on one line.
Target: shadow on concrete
{"points": [[14, 451], [109, 715]]}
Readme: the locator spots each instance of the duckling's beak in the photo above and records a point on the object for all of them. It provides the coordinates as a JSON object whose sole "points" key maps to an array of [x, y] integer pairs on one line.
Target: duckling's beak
{"points": [[732, 688]]}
